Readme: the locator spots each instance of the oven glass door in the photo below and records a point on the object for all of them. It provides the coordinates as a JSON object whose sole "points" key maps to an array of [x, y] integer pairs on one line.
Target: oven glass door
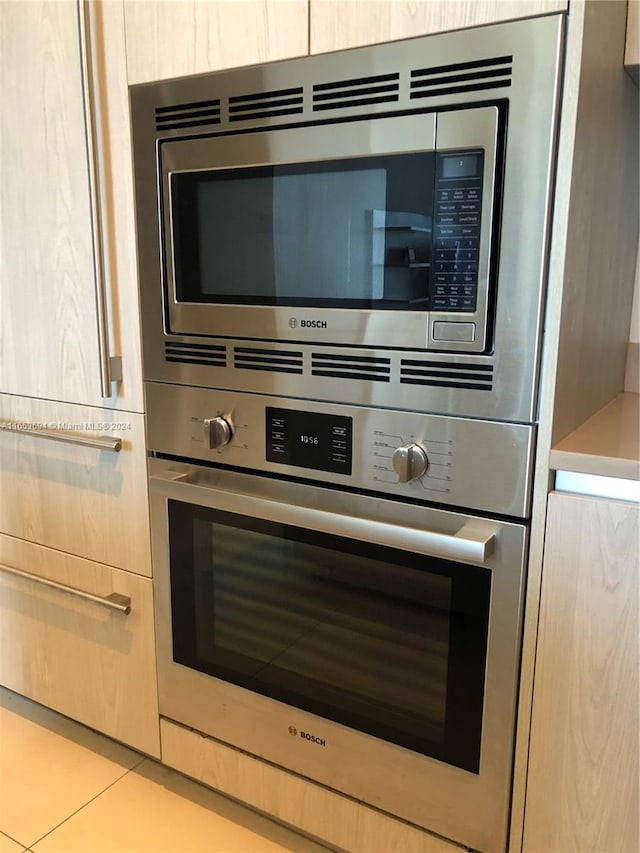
{"points": [[387, 642]]}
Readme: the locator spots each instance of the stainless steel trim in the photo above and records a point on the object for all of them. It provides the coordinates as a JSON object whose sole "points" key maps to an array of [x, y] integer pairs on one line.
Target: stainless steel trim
{"points": [[99, 442], [99, 275], [598, 486], [473, 541], [114, 601]]}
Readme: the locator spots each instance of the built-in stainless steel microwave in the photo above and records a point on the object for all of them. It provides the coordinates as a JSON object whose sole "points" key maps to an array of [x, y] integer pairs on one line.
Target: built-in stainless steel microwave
{"points": [[369, 224], [367, 239]]}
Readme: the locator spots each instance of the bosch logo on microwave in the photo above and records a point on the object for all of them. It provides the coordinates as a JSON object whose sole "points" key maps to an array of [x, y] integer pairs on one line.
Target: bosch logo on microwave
{"points": [[308, 324], [308, 737]]}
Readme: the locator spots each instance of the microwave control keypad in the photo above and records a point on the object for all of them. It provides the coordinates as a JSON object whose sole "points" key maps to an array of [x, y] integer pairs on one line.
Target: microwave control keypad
{"points": [[456, 232]]}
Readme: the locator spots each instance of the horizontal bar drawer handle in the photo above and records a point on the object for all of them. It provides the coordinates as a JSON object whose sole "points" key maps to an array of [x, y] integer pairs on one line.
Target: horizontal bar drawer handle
{"points": [[99, 442], [114, 601]]}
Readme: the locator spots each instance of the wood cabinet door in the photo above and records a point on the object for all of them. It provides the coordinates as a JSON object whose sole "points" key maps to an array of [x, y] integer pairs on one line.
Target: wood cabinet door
{"points": [[79, 655], [48, 308], [178, 37], [337, 24], [582, 790], [66, 494]]}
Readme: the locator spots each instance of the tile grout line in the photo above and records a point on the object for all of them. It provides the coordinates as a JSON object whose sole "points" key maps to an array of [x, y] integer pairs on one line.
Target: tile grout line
{"points": [[78, 810], [11, 838]]}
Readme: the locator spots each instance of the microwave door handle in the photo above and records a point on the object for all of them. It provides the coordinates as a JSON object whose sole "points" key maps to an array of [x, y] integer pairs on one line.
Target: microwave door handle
{"points": [[473, 542]]}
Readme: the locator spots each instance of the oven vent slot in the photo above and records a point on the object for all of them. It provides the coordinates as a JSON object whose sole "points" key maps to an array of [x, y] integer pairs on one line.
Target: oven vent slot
{"points": [[195, 114], [475, 377], [270, 360], [282, 102], [461, 77], [211, 355], [351, 367], [361, 91]]}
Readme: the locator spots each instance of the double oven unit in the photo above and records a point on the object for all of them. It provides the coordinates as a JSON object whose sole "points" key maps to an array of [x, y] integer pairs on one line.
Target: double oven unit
{"points": [[342, 262]]}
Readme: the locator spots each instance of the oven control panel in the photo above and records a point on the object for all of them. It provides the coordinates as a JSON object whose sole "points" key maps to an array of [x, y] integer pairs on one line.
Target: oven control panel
{"points": [[322, 442], [475, 464]]}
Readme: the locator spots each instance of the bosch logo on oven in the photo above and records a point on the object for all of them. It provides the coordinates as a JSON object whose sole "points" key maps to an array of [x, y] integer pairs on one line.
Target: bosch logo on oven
{"points": [[308, 324], [320, 741]]}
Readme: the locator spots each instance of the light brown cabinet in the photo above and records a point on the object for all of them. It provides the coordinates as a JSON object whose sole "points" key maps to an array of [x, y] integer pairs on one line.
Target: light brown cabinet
{"points": [[75, 654], [49, 343], [582, 791], [86, 500], [336, 24], [178, 37]]}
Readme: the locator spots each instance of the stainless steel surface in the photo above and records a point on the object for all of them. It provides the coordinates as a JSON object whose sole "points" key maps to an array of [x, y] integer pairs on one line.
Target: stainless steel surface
{"points": [[407, 329], [106, 376], [468, 808], [473, 541], [598, 486], [100, 442], [481, 465], [114, 601], [409, 462], [217, 432], [438, 409], [509, 368], [452, 331]]}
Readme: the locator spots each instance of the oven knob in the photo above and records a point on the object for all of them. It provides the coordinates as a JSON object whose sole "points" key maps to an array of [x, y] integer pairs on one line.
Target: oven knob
{"points": [[409, 462], [217, 432]]}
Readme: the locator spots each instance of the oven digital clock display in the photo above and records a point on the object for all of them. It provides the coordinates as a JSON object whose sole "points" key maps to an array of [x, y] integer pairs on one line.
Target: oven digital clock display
{"points": [[309, 440]]}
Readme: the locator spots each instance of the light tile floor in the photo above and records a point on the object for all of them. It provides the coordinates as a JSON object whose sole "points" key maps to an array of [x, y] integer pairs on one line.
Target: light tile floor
{"points": [[66, 789]]}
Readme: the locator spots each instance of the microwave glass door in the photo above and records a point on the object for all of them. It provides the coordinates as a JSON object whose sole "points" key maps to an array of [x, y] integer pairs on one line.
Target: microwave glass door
{"points": [[343, 233], [387, 642]]}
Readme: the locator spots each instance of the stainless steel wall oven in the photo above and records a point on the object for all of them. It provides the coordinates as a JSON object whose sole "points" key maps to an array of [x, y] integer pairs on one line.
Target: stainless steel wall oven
{"points": [[342, 264]]}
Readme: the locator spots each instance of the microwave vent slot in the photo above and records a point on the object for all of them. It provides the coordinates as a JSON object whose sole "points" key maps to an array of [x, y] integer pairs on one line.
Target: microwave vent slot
{"points": [[270, 360], [194, 114], [441, 374], [351, 367], [476, 76], [361, 91], [282, 102], [211, 355]]}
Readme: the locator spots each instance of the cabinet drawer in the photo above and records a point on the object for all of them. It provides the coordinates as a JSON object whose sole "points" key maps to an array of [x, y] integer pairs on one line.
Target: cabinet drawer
{"points": [[81, 499], [74, 654]]}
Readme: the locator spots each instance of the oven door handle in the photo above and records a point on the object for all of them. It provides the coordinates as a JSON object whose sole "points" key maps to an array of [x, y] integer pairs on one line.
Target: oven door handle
{"points": [[473, 542]]}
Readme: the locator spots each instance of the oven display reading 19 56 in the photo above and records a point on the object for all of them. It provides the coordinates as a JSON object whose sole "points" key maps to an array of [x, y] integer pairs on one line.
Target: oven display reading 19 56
{"points": [[309, 440]]}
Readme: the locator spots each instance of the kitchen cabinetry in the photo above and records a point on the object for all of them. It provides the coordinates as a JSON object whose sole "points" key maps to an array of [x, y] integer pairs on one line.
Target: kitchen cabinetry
{"points": [[90, 501], [582, 791], [335, 24], [172, 38], [78, 655], [67, 494], [73, 486], [49, 341]]}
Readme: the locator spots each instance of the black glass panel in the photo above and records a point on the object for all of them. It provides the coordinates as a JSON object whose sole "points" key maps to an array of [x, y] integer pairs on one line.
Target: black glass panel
{"points": [[389, 643], [353, 233]]}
